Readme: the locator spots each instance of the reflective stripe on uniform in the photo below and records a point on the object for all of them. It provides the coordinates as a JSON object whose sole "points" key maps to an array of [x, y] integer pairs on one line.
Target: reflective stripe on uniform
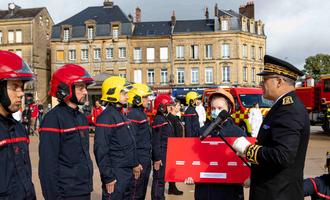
{"points": [[113, 125], [59, 130], [189, 115], [317, 191], [14, 140], [138, 122], [160, 125]]}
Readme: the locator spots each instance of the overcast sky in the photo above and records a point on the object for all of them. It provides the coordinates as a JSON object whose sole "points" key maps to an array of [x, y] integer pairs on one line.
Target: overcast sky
{"points": [[295, 29]]}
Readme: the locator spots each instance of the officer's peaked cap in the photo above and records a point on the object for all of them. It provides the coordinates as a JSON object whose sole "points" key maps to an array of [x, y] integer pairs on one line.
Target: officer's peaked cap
{"points": [[275, 66]]}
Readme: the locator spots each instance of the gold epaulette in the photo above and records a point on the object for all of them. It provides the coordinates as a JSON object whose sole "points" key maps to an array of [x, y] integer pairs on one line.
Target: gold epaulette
{"points": [[287, 100], [252, 152]]}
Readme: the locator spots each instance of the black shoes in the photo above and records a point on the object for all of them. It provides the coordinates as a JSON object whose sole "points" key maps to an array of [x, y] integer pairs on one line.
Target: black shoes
{"points": [[172, 189]]}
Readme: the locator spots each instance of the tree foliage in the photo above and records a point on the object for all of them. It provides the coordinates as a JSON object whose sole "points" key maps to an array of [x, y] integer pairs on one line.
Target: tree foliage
{"points": [[317, 65]]}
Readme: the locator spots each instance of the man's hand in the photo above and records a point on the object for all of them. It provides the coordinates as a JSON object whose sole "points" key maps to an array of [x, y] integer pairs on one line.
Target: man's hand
{"points": [[189, 181], [240, 145], [247, 183], [110, 186], [157, 165], [137, 171]]}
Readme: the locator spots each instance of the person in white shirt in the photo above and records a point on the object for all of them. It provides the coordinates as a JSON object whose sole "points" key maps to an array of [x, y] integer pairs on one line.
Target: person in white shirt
{"points": [[201, 112], [255, 119]]}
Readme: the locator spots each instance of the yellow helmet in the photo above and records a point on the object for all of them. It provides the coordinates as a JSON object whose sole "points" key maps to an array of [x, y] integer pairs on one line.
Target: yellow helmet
{"points": [[191, 96], [111, 88], [136, 94]]}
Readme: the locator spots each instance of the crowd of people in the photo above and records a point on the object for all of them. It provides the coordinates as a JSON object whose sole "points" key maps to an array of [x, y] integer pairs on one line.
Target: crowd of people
{"points": [[128, 148]]}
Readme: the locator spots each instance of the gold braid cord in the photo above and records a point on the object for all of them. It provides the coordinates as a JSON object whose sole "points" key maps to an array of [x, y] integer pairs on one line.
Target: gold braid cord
{"points": [[279, 70], [252, 152]]}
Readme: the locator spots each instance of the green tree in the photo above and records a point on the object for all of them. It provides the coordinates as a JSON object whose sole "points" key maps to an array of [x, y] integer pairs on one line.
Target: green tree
{"points": [[317, 65]]}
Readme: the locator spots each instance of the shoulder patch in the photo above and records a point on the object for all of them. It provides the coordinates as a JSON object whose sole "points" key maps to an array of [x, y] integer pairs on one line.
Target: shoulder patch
{"points": [[287, 100]]}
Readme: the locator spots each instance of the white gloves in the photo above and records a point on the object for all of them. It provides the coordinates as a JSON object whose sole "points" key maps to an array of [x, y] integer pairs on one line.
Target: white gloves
{"points": [[240, 145]]}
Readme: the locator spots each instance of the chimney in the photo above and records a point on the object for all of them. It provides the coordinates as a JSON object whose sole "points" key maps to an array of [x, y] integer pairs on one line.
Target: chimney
{"points": [[216, 10], [130, 17], [12, 8], [247, 10], [207, 13], [138, 14], [173, 19], [108, 4]]}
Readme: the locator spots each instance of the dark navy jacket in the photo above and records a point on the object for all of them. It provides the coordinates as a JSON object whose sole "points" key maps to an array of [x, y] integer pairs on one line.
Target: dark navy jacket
{"points": [[191, 122], [114, 145], [318, 188], [161, 130], [214, 191], [65, 166], [15, 166], [142, 129]]}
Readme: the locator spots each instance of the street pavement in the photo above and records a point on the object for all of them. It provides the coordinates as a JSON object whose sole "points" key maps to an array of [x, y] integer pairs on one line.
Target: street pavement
{"points": [[318, 145]]}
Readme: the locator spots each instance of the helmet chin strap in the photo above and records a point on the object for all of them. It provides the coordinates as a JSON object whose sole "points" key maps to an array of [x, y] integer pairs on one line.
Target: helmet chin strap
{"points": [[74, 99], [4, 98]]}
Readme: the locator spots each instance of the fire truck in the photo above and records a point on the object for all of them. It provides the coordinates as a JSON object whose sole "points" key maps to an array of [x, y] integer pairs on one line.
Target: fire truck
{"points": [[316, 99], [244, 98]]}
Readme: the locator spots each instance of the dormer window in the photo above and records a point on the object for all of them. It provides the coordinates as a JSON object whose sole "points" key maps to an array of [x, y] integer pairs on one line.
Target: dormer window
{"points": [[66, 34], [244, 25], [115, 31], [90, 32], [252, 27], [224, 25]]}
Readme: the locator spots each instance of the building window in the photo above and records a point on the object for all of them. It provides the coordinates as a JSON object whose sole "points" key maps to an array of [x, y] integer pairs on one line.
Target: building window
{"points": [[180, 52], [253, 72], [194, 51], [260, 53], [137, 55], [226, 74], [225, 51], [84, 54], [208, 51], [90, 32], [72, 54], [66, 34], [10, 37], [244, 25], [47, 22], [109, 53], [180, 75], [60, 55], [122, 52], [253, 54], [244, 73], [244, 53], [115, 32], [122, 74], [138, 76], [0, 37], [224, 25], [259, 30], [163, 54], [208, 75], [97, 54], [252, 27], [19, 52], [194, 76], [18, 36], [151, 77], [150, 54], [163, 77]]}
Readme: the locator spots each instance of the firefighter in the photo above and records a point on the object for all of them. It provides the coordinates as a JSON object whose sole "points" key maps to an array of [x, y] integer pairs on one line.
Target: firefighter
{"points": [[319, 187], [138, 98], [161, 130], [278, 156], [220, 100], [114, 146], [191, 119], [65, 165], [15, 168]]}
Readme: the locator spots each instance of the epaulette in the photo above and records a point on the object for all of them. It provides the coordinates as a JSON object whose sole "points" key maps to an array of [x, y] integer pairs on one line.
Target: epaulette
{"points": [[287, 100]]}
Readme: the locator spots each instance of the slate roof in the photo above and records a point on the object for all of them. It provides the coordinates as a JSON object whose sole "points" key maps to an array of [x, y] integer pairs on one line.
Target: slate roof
{"points": [[187, 26], [161, 28], [20, 13]]}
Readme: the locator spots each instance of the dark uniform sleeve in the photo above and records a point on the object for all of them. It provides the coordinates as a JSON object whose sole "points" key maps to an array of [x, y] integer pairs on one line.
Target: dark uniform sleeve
{"points": [[101, 151], [308, 187], [135, 128], [49, 148], [286, 138], [156, 137], [187, 125]]}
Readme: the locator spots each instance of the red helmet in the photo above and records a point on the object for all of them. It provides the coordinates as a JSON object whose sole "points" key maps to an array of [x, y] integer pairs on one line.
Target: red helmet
{"points": [[162, 101], [12, 67], [65, 77]]}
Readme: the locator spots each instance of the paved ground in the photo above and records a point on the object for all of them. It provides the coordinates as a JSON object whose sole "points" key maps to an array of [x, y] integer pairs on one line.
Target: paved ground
{"points": [[318, 145]]}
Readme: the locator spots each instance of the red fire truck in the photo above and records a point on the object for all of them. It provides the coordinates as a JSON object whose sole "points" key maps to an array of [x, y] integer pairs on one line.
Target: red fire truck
{"points": [[244, 99], [317, 101]]}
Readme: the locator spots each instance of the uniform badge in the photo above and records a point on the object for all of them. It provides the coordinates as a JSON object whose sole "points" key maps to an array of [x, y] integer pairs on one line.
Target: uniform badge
{"points": [[265, 126], [287, 100]]}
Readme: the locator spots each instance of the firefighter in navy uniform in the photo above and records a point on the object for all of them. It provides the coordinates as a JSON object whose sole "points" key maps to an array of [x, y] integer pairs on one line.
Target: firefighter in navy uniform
{"points": [[278, 156], [65, 165], [191, 119], [138, 98], [161, 130], [15, 166], [319, 187], [114, 146]]}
